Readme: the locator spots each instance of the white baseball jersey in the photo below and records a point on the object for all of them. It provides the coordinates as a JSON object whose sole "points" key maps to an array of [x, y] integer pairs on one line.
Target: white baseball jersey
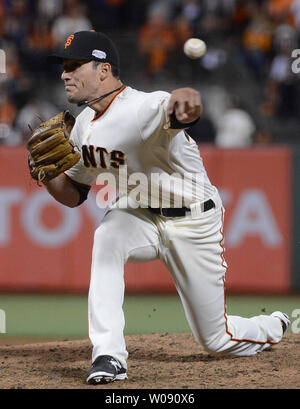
{"points": [[132, 132]]}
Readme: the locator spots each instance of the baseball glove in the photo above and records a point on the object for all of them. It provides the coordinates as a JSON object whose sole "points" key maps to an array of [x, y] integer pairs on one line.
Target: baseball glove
{"points": [[51, 151]]}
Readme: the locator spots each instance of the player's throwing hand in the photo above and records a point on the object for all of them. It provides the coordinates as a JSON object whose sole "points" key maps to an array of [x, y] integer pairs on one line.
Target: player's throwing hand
{"points": [[186, 104]]}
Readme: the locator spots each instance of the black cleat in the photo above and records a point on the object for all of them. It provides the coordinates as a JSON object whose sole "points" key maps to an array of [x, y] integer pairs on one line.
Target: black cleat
{"points": [[105, 369]]}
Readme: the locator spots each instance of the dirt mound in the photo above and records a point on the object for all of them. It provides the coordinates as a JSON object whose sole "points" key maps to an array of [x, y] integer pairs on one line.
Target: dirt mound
{"points": [[156, 361]]}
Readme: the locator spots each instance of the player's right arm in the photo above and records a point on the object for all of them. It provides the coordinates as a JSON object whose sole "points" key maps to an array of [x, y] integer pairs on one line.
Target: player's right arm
{"points": [[185, 104], [162, 113]]}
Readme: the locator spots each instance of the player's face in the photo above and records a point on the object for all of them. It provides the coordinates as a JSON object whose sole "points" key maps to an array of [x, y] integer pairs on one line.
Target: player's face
{"points": [[80, 80]]}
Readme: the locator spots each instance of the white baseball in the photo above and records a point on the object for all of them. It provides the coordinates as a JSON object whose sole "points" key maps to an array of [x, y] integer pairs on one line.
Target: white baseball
{"points": [[194, 48]]}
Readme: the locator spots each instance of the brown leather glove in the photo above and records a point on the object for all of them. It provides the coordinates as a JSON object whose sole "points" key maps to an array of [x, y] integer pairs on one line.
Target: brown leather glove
{"points": [[51, 152]]}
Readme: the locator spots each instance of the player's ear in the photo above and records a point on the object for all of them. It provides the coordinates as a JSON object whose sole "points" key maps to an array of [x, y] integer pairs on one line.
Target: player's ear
{"points": [[105, 69]]}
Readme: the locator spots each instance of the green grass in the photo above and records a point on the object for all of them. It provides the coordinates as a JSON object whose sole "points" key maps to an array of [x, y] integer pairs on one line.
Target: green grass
{"points": [[65, 316]]}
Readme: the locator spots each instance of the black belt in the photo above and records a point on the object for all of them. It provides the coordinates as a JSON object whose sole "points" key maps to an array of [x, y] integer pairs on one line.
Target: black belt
{"points": [[180, 211]]}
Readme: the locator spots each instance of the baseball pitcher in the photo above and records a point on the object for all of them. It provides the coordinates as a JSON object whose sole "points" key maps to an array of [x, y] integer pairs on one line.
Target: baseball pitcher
{"points": [[179, 221]]}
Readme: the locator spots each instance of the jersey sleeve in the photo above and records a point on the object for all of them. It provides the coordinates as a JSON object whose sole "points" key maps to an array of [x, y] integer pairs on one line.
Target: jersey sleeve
{"points": [[152, 115], [153, 118], [79, 173]]}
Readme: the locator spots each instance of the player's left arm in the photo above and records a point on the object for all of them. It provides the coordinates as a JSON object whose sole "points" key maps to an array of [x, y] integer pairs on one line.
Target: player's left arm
{"points": [[184, 106]]}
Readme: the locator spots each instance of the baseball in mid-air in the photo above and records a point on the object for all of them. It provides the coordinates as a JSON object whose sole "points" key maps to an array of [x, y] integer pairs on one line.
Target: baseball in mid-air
{"points": [[194, 48]]}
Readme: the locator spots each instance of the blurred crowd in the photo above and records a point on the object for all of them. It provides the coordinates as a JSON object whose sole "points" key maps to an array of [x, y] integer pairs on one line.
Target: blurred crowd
{"points": [[257, 36]]}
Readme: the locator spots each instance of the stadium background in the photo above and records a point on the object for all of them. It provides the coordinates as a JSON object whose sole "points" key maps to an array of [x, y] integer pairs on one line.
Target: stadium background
{"points": [[248, 138]]}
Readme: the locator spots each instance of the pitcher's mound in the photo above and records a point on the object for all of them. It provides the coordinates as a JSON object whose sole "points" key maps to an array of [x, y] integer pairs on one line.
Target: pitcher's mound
{"points": [[156, 361]]}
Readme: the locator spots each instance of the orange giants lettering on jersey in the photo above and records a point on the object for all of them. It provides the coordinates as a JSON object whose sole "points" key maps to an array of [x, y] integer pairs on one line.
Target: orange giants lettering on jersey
{"points": [[116, 158]]}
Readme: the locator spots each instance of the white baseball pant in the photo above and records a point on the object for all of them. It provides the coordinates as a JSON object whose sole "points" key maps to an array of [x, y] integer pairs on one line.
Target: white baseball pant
{"points": [[192, 250]]}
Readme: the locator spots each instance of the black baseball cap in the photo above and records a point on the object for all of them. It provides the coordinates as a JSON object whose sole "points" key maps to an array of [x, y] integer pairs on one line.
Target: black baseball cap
{"points": [[87, 46]]}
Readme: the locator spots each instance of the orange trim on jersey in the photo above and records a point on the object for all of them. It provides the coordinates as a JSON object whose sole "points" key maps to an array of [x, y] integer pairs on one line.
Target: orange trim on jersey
{"points": [[77, 183], [225, 314], [97, 116]]}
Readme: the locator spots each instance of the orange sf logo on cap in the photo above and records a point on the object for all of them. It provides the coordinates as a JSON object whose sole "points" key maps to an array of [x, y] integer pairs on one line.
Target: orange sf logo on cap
{"points": [[69, 40]]}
